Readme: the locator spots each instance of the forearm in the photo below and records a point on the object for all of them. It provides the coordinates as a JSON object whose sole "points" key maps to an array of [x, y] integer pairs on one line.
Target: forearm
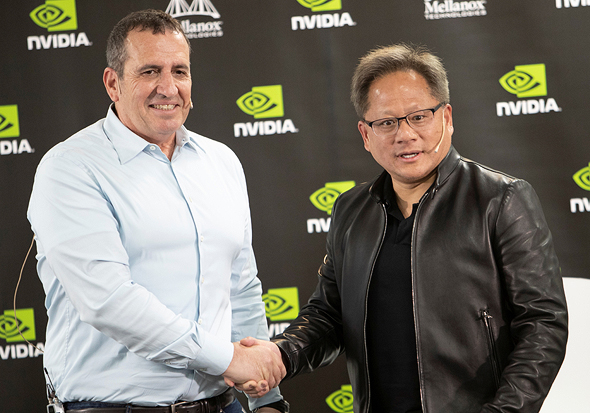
{"points": [[106, 298], [314, 338]]}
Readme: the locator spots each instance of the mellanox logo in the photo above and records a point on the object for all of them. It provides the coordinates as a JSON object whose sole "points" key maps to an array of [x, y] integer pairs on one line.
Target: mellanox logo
{"points": [[199, 30], [571, 3], [324, 20], [323, 199], [526, 81], [449, 9], [341, 400], [17, 327], [9, 128], [263, 102], [281, 304], [57, 16], [582, 179]]}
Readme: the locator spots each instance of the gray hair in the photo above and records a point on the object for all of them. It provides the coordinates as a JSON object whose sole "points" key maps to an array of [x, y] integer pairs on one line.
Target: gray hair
{"points": [[399, 57], [155, 20]]}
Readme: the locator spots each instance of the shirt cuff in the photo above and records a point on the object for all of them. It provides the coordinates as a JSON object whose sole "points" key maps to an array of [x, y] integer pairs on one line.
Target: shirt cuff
{"points": [[272, 396], [214, 357]]}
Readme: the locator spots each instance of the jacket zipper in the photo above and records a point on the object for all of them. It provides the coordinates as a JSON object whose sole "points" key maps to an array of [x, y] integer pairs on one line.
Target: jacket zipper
{"points": [[487, 317], [422, 401], [367, 304]]}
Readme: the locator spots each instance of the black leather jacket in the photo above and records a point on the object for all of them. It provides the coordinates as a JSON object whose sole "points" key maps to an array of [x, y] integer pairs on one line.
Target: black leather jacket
{"points": [[489, 308]]}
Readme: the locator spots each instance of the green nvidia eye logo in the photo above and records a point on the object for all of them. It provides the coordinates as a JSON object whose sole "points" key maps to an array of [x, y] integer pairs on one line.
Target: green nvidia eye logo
{"points": [[321, 5], [56, 15], [9, 325], [526, 81], [281, 303], [341, 400], [263, 102], [324, 198], [582, 178], [9, 122]]}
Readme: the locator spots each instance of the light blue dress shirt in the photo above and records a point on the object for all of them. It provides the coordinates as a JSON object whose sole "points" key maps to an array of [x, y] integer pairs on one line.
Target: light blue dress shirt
{"points": [[147, 266]]}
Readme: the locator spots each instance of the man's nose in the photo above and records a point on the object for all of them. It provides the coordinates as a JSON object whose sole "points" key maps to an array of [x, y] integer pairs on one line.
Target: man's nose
{"points": [[167, 85], [405, 131]]}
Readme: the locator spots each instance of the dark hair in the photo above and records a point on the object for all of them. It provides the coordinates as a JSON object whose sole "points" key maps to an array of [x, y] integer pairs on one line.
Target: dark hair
{"points": [[155, 20], [399, 57]]}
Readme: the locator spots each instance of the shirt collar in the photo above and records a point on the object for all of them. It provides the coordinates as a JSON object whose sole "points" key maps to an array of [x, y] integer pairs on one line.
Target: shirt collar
{"points": [[128, 144]]}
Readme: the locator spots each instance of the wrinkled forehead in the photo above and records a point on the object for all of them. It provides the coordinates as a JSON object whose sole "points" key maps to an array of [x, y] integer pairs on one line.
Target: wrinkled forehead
{"points": [[165, 47]]}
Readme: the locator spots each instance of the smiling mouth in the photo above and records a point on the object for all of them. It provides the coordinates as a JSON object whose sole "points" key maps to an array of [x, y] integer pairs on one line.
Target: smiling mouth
{"points": [[163, 107], [409, 155]]}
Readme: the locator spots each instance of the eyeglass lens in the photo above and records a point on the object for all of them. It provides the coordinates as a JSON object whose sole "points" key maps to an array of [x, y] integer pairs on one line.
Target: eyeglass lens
{"points": [[417, 120]]}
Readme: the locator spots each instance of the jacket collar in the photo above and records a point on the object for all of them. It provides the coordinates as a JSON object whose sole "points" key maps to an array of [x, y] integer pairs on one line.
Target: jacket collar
{"points": [[444, 170]]}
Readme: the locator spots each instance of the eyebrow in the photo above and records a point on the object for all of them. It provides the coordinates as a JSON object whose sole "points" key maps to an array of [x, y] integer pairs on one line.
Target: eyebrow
{"points": [[158, 67]]}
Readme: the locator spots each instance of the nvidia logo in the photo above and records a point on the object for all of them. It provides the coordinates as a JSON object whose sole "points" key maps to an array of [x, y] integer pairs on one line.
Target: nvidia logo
{"points": [[324, 198], [321, 5], [526, 81], [9, 122], [281, 303], [582, 178], [10, 325], [263, 102], [341, 400], [56, 15]]}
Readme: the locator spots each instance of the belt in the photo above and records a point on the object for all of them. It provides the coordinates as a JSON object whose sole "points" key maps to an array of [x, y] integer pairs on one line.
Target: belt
{"points": [[210, 405]]}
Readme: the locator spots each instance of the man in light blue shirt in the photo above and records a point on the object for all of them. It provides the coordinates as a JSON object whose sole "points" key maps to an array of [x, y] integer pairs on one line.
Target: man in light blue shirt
{"points": [[144, 247]]}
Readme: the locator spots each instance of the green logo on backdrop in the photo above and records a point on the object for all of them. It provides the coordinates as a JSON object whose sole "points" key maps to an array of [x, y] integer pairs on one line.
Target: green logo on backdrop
{"points": [[582, 178], [281, 303], [9, 122], [324, 198], [9, 325], [526, 81], [56, 15], [321, 5], [341, 400], [263, 102]]}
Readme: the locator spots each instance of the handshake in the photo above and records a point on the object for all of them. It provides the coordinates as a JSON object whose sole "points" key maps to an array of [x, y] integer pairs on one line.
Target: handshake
{"points": [[256, 367]]}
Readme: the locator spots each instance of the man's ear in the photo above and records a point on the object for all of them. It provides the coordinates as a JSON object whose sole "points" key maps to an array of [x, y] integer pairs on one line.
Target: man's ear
{"points": [[364, 130], [449, 118], [110, 79]]}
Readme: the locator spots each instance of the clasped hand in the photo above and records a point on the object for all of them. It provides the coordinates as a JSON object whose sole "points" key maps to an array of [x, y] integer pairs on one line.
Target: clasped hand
{"points": [[256, 367]]}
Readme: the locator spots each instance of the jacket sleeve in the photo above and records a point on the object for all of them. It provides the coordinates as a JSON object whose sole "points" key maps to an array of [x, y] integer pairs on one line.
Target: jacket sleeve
{"points": [[532, 279], [314, 338]]}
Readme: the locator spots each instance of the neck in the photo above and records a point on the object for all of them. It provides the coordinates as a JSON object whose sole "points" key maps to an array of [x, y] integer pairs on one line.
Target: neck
{"points": [[409, 194], [168, 148]]}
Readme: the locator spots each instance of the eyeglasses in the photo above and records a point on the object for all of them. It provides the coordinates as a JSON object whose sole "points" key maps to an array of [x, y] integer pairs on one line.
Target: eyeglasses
{"points": [[419, 120]]}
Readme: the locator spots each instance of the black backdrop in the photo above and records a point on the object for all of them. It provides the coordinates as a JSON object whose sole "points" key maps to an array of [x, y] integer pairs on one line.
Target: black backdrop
{"points": [[519, 90]]}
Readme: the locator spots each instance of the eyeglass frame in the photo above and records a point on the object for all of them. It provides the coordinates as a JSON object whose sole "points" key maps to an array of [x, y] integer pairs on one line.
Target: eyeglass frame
{"points": [[433, 110]]}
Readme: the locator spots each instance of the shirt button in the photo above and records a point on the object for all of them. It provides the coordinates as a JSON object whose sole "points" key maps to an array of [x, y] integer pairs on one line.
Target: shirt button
{"points": [[200, 321], [202, 280], [202, 238], [153, 147]]}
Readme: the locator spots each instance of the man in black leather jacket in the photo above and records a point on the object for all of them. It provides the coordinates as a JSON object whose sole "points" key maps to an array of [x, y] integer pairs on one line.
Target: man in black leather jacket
{"points": [[440, 281]]}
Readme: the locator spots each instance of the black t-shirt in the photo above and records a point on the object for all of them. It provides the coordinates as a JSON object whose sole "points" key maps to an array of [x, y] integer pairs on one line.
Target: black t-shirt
{"points": [[391, 339]]}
